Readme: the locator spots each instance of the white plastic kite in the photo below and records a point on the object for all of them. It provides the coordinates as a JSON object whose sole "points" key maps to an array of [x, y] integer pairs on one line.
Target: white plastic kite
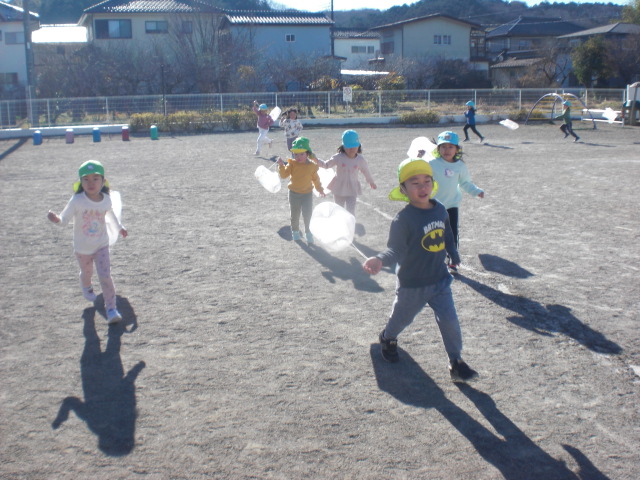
{"points": [[112, 228], [333, 226], [326, 175], [510, 124], [609, 114], [269, 179], [421, 143], [275, 113]]}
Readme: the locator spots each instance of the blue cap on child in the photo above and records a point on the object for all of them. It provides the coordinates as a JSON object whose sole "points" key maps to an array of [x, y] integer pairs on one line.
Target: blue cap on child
{"points": [[350, 139]]}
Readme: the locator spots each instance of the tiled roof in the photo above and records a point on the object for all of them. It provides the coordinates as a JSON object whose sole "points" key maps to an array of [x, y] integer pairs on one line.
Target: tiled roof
{"points": [[346, 33], [613, 28], [11, 13], [428, 17], [152, 6], [285, 17], [534, 27], [516, 62]]}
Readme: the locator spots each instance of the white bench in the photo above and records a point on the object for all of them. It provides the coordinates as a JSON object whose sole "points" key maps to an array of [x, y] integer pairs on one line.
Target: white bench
{"points": [[587, 113]]}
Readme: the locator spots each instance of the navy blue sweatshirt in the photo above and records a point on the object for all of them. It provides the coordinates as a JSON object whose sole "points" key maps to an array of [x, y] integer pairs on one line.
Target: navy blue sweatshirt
{"points": [[419, 240]]}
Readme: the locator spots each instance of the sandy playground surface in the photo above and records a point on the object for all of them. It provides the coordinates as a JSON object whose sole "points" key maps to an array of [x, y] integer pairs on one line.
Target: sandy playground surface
{"points": [[244, 355]]}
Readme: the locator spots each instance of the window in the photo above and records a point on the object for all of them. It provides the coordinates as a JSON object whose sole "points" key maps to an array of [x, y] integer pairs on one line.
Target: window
{"points": [[437, 39], [387, 48], [156, 27], [289, 37], [524, 45], [361, 49], [187, 27], [0, 35], [113, 29], [446, 39], [14, 38], [8, 79], [370, 49]]}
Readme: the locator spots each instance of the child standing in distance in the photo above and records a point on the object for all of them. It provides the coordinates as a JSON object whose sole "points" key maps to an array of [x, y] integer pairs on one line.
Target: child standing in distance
{"points": [[292, 126], [567, 124], [470, 117], [348, 162], [418, 237], [452, 175], [88, 208], [304, 176], [264, 122]]}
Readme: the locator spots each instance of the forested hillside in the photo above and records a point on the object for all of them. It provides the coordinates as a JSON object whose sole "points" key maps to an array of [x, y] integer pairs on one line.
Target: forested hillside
{"points": [[485, 12]]}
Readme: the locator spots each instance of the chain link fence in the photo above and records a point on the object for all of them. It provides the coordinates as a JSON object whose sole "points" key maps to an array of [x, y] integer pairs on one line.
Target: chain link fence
{"points": [[53, 112]]}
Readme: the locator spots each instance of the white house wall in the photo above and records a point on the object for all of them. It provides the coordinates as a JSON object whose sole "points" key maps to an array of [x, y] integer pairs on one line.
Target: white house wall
{"points": [[342, 48], [419, 40], [12, 57], [272, 41]]}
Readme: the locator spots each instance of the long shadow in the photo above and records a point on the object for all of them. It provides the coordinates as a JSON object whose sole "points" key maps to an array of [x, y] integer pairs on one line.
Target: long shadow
{"points": [[545, 319], [515, 455], [13, 148], [109, 406], [503, 147], [493, 263]]}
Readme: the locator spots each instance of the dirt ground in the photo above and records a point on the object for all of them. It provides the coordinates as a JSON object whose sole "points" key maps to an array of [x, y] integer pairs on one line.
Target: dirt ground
{"points": [[245, 355]]}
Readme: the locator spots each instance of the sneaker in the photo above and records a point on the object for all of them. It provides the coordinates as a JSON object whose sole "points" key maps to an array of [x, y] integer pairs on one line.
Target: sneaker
{"points": [[577, 138], [465, 140], [481, 139], [566, 135], [461, 372], [296, 235], [113, 316], [89, 294], [389, 349], [309, 237], [257, 153]]}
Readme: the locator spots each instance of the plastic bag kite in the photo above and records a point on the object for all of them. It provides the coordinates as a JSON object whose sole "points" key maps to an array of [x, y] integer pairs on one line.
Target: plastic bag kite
{"points": [[326, 175], [269, 179], [275, 113], [609, 114], [421, 143], [510, 124], [112, 229], [333, 226]]}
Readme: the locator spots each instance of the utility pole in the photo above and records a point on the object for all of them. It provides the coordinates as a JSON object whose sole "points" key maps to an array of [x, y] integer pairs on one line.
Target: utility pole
{"points": [[332, 40], [28, 55]]}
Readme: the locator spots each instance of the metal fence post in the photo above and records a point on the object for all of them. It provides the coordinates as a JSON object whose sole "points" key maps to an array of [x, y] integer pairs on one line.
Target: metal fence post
{"points": [[379, 103], [106, 106], [48, 112]]}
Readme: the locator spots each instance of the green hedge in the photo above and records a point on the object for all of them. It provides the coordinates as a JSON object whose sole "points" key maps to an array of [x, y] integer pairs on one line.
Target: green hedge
{"points": [[192, 121], [419, 117]]}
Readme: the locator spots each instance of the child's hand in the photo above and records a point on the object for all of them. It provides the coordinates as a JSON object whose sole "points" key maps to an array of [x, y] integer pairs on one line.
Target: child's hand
{"points": [[421, 153], [373, 186], [280, 162], [53, 217], [481, 195], [372, 265], [123, 232]]}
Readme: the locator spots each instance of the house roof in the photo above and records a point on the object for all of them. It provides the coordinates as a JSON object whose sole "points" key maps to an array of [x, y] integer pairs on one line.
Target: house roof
{"points": [[54, 34], [152, 6], [611, 29], [427, 17], [11, 13], [516, 63], [283, 17], [534, 27], [346, 33]]}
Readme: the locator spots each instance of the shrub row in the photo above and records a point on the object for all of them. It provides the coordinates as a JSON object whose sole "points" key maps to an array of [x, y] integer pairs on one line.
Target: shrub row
{"points": [[192, 121]]}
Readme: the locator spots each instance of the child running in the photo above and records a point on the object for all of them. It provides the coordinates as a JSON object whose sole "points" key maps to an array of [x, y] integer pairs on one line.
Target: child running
{"points": [[452, 175], [264, 122], [418, 237], [291, 125], [348, 162], [89, 208], [470, 117], [304, 176], [567, 123]]}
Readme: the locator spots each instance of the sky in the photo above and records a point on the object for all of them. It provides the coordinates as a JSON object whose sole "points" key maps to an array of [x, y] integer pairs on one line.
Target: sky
{"points": [[325, 5]]}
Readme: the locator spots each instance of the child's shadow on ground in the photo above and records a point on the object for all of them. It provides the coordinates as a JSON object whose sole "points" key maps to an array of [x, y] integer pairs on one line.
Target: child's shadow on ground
{"points": [[492, 263], [337, 268], [514, 454], [545, 319], [109, 406]]}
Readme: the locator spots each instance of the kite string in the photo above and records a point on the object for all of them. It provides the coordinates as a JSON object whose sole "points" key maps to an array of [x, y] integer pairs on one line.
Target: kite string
{"points": [[358, 250]]}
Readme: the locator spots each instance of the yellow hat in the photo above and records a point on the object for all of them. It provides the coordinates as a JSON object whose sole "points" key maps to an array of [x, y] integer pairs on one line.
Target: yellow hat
{"points": [[407, 169]]}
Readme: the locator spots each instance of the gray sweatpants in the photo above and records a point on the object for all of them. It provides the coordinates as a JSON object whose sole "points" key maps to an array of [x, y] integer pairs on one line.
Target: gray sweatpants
{"points": [[409, 302], [300, 203]]}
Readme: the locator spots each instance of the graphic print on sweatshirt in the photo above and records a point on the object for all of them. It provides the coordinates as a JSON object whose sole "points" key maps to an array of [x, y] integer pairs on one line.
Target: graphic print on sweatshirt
{"points": [[433, 239], [93, 223]]}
